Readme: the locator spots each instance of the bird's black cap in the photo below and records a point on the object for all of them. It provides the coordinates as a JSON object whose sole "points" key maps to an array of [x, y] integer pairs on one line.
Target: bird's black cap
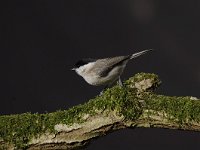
{"points": [[83, 62]]}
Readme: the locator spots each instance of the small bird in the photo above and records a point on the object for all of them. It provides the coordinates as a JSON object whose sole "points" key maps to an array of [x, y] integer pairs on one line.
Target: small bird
{"points": [[104, 71]]}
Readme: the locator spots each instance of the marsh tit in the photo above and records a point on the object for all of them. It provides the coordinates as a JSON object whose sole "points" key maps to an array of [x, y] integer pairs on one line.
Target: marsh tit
{"points": [[104, 71]]}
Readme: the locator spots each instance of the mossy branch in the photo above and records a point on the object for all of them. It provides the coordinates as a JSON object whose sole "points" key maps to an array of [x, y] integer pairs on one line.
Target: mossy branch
{"points": [[134, 105]]}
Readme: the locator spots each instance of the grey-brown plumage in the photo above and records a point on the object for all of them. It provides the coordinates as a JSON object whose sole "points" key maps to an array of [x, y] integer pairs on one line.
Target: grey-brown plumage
{"points": [[110, 63], [104, 71]]}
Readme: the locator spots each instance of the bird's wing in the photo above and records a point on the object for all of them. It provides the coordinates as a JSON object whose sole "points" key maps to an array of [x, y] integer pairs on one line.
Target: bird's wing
{"points": [[107, 64]]}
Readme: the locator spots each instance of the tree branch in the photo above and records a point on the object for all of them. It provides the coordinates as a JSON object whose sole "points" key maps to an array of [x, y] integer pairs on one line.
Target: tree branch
{"points": [[134, 105]]}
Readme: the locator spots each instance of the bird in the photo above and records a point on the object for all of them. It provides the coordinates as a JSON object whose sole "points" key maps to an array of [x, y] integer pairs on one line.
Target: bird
{"points": [[105, 71]]}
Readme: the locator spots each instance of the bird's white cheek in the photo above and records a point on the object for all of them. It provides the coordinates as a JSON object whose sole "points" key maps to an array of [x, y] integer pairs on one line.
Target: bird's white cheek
{"points": [[79, 71], [85, 70]]}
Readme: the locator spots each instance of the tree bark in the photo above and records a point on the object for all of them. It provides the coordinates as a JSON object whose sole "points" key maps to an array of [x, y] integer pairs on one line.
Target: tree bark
{"points": [[134, 105]]}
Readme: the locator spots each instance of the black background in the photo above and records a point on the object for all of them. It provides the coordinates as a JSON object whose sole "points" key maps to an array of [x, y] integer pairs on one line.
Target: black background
{"points": [[41, 41]]}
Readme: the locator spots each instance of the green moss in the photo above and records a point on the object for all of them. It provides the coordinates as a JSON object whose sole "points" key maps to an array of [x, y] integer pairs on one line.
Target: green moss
{"points": [[143, 76], [19, 129], [121, 99], [181, 110]]}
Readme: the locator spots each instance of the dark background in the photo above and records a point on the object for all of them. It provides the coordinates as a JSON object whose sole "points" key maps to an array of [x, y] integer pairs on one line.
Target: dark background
{"points": [[41, 41]]}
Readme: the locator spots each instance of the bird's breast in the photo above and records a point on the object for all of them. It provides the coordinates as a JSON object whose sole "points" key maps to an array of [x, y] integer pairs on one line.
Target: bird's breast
{"points": [[95, 79]]}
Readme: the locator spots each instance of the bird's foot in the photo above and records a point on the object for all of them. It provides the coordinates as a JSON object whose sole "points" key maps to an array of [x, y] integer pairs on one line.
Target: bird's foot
{"points": [[101, 93], [120, 82]]}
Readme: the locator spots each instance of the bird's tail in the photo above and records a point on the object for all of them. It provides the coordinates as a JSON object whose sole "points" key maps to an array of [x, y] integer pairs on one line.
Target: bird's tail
{"points": [[140, 53]]}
